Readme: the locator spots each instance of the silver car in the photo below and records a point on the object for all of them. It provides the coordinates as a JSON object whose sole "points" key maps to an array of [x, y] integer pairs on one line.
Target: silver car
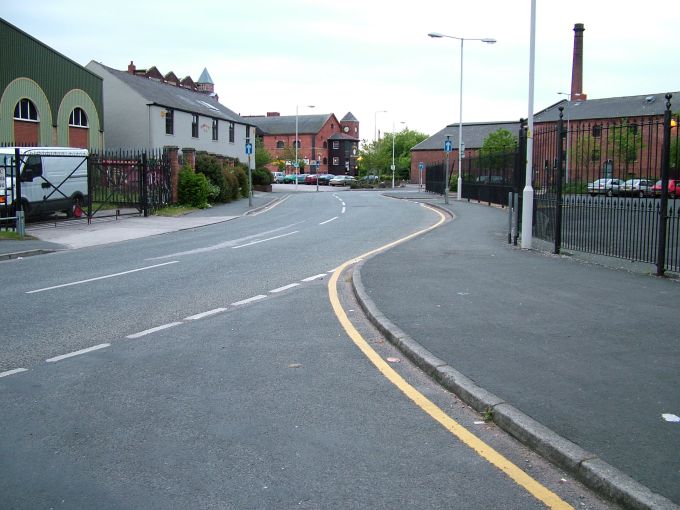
{"points": [[609, 187], [637, 187]]}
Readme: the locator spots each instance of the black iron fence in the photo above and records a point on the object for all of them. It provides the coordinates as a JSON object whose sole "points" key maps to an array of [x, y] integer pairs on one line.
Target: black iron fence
{"points": [[610, 188], [70, 183]]}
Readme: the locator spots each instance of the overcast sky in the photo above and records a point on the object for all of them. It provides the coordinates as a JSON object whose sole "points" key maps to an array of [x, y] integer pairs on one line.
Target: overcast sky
{"points": [[364, 55]]}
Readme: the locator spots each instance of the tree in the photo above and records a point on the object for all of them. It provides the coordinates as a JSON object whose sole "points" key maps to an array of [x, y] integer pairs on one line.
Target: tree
{"points": [[496, 147], [262, 156], [375, 158]]}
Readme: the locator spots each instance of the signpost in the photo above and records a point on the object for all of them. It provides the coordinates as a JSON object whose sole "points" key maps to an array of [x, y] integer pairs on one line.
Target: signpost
{"points": [[448, 146], [421, 167], [249, 152]]}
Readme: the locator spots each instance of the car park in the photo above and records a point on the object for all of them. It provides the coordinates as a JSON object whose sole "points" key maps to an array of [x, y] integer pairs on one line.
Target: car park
{"points": [[673, 188], [609, 187], [637, 188]]}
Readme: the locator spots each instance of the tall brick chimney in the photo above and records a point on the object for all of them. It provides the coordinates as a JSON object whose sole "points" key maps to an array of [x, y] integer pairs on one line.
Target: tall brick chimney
{"points": [[577, 65], [131, 67]]}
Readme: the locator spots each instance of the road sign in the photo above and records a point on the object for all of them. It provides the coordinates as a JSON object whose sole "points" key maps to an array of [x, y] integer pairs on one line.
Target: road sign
{"points": [[421, 166], [448, 146], [249, 148]]}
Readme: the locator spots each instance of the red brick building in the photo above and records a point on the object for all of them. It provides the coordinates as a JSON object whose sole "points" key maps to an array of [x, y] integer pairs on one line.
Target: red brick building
{"points": [[322, 139]]}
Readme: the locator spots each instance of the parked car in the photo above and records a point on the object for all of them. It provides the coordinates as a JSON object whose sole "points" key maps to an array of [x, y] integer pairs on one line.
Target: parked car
{"points": [[325, 179], [673, 188], [342, 180], [609, 187], [637, 187], [310, 179], [278, 177], [290, 179]]}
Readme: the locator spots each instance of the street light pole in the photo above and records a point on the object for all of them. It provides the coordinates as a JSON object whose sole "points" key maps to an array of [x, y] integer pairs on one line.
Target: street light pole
{"points": [[487, 40], [528, 192], [375, 124], [393, 138], [566, 171]]}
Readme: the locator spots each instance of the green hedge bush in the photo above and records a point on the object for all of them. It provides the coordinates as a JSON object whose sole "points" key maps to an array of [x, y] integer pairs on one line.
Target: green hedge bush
{"points": [[262, 177], [193, 188]]}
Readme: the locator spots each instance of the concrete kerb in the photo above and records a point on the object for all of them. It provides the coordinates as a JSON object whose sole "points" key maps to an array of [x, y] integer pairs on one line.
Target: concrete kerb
{"points": [[583, 465], [22, 254]]}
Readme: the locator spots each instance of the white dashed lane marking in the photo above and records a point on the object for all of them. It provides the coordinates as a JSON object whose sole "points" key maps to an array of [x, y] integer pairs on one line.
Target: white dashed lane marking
{"points": [[249, 300], [328, 221], [285, 287], [153, 330], [315, 277], [205, 314], [12, 372], [77, 353]]}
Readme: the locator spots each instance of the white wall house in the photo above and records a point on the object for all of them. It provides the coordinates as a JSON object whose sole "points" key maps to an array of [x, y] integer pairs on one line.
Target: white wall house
{"points": [[144, 112]]}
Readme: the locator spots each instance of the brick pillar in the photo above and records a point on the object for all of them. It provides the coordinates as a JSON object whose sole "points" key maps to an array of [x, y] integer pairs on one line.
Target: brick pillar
{"points": [[190, 157], [173, 154]]}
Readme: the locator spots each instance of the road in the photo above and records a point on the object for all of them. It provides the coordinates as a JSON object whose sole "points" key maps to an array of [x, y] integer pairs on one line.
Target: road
{"points": [[210, 369]]}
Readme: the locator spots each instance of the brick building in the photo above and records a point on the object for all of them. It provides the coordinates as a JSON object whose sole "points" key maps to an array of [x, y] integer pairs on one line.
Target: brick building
{"points": [[322, 139]]}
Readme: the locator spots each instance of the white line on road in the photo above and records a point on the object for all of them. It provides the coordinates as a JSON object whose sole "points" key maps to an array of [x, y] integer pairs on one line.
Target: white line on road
{"points": [[315, 277], [205, 314], [153, 330], [343, 209], [12, 372], [78, 353], [328, 221], [249, 300], [264, 240], [102, 277], [285, 287]]}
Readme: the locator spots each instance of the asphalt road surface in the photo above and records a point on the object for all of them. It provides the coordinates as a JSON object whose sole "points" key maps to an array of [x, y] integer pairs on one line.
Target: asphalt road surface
{"points": [[208, 369]]}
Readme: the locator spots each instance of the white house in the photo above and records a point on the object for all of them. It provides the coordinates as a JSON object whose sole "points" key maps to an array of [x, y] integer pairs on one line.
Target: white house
{"points": [[145, 109]]}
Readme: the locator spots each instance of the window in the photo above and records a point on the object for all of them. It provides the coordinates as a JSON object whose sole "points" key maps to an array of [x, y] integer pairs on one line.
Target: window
{"points": [[231, 132], [194, 126], [25, 110], [169, 122], [325, 145], [78, 118], [336, 145], [215, 127], [597, 131], [336, 161], [325, 161], [633, 129], [247, 134], [279, 144], [297, 144]]}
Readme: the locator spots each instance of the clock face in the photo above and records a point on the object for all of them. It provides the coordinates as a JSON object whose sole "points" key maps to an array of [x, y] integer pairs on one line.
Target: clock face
{"points": [[345, 129]]}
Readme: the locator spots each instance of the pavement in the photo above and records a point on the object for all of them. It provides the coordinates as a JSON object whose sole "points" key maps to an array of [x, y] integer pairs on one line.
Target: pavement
{"points": [[574, 355]]}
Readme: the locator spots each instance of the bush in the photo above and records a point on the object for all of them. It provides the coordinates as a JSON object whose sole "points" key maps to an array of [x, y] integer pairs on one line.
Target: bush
{"points": [[232, 190], [193, 188], [262, 177], [211, 167], [241, 172]]}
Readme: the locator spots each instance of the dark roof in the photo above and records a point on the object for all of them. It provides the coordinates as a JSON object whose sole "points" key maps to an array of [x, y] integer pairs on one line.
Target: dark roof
{"points": [[607, 108], [342, 136], [285, 125], [474, 135], [349, 118], [179, 98]]}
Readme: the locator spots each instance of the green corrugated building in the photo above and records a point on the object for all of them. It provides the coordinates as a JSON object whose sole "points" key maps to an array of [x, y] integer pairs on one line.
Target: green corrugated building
{"points": [[46, 98]]}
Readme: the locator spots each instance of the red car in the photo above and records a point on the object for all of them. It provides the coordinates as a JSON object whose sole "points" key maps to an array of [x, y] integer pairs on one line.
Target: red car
{"points": [[673, 188], [310, 179]]}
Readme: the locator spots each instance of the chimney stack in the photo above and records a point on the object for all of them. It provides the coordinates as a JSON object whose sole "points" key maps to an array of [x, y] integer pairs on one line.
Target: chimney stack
{"points": [[131, 67], [577, 65]]}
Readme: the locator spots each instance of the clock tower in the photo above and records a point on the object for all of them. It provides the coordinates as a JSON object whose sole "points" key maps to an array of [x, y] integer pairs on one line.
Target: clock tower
{"points": [[350, 125]]}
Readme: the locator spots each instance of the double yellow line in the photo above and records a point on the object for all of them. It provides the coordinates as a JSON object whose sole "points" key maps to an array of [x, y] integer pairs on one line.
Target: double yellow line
{"points": [[540, 492]]}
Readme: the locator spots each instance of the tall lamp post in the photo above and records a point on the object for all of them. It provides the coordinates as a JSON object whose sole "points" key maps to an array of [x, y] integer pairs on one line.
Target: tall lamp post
{"points": [[528, 192], [393, 138], [375, 124], [297, 165], [460, 110]]}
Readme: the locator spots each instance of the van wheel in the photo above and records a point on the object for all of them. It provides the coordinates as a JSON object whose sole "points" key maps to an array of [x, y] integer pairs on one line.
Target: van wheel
{"points": [[76, 210]]}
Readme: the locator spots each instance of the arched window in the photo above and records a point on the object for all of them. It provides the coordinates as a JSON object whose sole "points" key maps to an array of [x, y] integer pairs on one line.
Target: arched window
{"points": [[279, 144], [297, 144], [78, 118], [325, 161], [25, 110], [325, 145]]}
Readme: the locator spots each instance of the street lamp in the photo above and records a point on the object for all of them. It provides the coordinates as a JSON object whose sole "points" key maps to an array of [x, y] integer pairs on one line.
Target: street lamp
{"points": [[375, 124], [297, 165], [528, 192], [393, 138], [487, 40]]}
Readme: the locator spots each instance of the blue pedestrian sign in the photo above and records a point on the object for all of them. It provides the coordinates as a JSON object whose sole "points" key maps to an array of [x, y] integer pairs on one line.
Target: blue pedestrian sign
{"points": [[421, 166], [249, 148], [448, 146]]}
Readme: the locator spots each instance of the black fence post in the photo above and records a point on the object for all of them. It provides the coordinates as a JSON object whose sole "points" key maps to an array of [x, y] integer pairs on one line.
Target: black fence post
{"points": [[663, 206], [90, 190], [18, 205], [558, 175], [142, 180]]}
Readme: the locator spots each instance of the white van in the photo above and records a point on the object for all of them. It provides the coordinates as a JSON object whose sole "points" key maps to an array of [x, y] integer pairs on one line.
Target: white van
{"points": [[53, 179]]}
